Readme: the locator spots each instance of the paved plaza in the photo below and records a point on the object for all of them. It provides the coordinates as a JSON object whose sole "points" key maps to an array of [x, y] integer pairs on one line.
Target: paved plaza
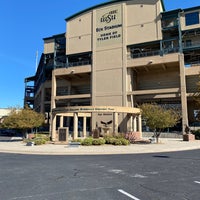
{"points": [[165, 145]]}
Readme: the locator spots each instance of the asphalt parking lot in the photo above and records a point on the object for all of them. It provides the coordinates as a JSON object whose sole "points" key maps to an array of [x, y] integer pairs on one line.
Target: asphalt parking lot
{"points": [[149, 176]]}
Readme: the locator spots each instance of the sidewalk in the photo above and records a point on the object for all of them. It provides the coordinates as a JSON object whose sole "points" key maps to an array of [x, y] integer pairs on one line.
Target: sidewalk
{"points": [[166, 145]]}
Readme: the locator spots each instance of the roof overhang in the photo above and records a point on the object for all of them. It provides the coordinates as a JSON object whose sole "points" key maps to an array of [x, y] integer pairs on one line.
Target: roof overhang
{"points": [[103, 4], [97, 109]]}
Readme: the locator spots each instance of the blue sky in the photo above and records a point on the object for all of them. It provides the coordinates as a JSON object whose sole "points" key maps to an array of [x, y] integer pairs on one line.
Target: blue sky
{"points": [[24, 24]]}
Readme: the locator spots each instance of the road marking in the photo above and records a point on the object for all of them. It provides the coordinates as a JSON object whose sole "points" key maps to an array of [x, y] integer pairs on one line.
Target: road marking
{"points": [[197, 182], [128, 195], [138, 176], [117, 171]]}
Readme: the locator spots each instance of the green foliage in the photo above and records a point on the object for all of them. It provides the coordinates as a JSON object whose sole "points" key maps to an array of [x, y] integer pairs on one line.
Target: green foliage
{"points": [[23, 119], [39, 139], [78, 140], [99, 141], [196, 97], [87, 141], [45, 137], [116, 140], [124, 141], [197, 134], [109, 139], [158, 118]]}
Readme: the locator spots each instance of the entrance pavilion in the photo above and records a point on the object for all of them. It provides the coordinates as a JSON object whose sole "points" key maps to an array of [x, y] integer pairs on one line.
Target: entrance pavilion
{"points": [[132, 118]]}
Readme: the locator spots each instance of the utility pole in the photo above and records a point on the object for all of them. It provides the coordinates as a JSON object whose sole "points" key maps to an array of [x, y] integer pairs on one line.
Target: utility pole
{"points": [[36, 61]]}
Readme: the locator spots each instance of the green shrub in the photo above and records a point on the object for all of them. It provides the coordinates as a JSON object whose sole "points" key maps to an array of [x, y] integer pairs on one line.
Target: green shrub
{"points": [[43, 136], [39, 141], [109, 139], [77, 140], [124, 141], [99, 141], [87, 142], [119, 136], [117, 142], [197, 134]]}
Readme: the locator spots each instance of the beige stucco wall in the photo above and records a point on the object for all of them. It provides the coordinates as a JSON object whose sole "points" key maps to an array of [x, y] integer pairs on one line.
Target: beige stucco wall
{"points": [[143, 21], [49, 46], [139, 18], [79, 32], [108, 59], [150, 80], [107, 31]]}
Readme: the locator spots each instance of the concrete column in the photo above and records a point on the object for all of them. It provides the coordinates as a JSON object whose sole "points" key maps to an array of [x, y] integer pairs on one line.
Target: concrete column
{"points": [[75, 135], [93, 121], [84, 127], [183, 92], [53, 128], [140, 125], [131, 123], [53, 91], [116, 123], [53, 105], [134, 123], [128, 122], [61, 121]]}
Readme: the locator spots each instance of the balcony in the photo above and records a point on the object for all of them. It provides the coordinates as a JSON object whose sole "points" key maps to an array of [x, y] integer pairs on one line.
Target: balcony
{"points": [[75, 90], [154, 53], [192, 64], [145, 54], [79, 63], [191, 45], [155, 59]]}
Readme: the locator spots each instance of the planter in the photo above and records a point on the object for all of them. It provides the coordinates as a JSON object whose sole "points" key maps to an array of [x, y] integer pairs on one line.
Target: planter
{"points": [[188, 137]]}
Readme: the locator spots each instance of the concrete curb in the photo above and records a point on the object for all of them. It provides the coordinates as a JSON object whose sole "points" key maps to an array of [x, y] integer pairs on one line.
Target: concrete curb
{"points": [[166, 145]]}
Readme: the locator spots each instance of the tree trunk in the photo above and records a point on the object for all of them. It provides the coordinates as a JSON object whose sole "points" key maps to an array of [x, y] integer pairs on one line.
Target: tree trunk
{"points": [[157, 136], [157, 139]]}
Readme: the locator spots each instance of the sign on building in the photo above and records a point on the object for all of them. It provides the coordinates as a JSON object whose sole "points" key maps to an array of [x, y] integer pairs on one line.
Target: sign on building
{"points": [[109, 26]]}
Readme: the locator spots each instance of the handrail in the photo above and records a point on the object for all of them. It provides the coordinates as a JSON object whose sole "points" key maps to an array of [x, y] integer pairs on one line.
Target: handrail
{"points": [[192, 44], [154, 53], [192, 64], [79, 63]]}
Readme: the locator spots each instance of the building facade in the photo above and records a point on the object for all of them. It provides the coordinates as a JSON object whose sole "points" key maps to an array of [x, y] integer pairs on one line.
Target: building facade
{"points": [[118, 55]]}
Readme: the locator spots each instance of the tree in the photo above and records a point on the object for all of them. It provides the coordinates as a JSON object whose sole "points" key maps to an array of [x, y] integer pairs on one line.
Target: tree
{"points": [[196, 97], [23, 119], [159, 118]]}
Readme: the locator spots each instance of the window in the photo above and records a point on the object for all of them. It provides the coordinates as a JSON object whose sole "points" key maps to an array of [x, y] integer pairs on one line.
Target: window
{"points": [[191, 18], [188, 43]]}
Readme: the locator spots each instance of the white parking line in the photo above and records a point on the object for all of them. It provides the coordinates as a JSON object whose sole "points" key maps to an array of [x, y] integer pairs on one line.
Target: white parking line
{"points": [[197, 182], [128, 195]]}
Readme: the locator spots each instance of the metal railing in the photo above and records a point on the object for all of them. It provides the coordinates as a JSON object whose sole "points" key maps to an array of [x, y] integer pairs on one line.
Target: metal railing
{"points": [[79, 63], [192, 64], [145, 54], [191, 44], [154, 53]]}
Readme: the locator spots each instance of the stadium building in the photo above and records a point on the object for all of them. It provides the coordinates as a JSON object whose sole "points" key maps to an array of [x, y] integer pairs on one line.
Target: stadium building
{"points": [[113, 57]]}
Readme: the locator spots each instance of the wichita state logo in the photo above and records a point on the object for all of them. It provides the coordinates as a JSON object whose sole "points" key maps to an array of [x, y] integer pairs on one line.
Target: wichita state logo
{"points": [[109, 17]]}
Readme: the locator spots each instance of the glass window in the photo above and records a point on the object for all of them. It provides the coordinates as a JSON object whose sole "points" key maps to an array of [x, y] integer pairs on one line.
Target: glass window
{"points": [[191, 18], [188, 43]]}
